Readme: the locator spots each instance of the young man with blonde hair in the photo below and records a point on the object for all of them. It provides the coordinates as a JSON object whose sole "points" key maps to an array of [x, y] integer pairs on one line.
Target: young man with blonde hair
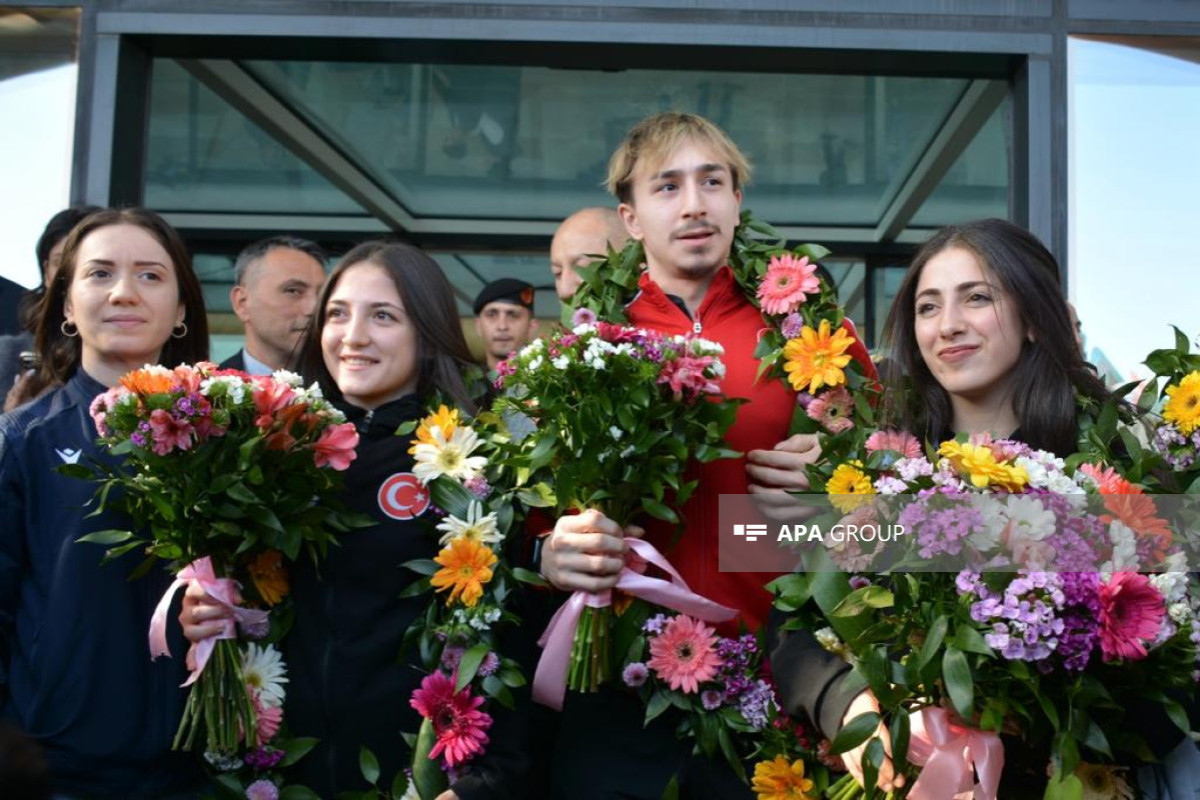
{"points": [[679, 181]]}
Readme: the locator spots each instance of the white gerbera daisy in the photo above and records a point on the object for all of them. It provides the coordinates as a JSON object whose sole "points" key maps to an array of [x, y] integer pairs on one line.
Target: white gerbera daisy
{"points": [[448, 457], [264, 672], [477, 526]]}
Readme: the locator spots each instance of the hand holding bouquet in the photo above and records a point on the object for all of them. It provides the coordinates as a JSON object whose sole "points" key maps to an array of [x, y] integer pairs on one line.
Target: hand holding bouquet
{"points": [[225, 476], [617, 413]]}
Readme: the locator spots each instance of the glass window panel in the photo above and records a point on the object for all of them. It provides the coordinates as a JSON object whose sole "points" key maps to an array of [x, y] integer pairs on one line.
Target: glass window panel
{"points": [[470, 272], [886, 285], [204, 155], [850, 279], [531, 142], [977, 185], [1134, 111], [38, 77]]}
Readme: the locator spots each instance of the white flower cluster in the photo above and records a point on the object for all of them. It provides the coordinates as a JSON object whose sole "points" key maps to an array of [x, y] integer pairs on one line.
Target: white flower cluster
{"points": [[1047, 471], [290, 378], [480, 618], [229, 385]]}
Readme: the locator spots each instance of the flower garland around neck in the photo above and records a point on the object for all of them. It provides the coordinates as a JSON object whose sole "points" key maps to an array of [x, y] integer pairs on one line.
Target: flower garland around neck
{"points": [[805, 341]]}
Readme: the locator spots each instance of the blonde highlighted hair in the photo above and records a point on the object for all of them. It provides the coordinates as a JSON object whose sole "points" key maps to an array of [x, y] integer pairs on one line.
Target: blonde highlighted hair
{"points": [[655, 138]]}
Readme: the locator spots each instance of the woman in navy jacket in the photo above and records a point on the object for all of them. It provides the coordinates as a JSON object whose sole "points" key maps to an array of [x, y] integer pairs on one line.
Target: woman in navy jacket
{"points": [[386, 339], [75, 669]]}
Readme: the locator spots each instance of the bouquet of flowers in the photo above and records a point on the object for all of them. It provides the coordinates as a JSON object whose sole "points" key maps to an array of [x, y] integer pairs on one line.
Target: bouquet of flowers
{"points": [[230, 476], [1029, 615], [617, 414], [806, 341], [472, 583], [729, 703]]}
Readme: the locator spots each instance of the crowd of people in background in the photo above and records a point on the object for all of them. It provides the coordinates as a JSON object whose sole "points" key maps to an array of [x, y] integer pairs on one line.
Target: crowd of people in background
{"points": [[381, 334]]}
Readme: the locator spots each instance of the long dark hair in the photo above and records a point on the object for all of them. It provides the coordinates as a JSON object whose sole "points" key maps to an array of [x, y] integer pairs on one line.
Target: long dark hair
{"points": [[1050, 370], [60, 354], [442, 353]]}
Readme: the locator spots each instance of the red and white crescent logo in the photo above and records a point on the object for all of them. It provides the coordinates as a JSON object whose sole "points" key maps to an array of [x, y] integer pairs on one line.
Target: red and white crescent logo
{"points": [[403, 497]]}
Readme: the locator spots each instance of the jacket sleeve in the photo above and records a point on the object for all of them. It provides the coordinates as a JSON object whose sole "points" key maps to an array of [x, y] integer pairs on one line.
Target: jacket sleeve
{"points": [[12, 539], [810, 680]]}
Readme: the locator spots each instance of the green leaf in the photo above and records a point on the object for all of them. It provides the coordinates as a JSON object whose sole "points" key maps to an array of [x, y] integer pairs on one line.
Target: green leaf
{"points": [[415, 589], [860, 600], [933, 640], [901, 734], [399, 785], [427, 775], [1177, 715], [368, 765], [659, 511], [1059, 788], [296, 749], [421, 566], [970, 640], [672, 790], [659, 702], [468, 665], [530, 577], [857, 731], [75, 471], [108, 537], [956, 672], [297, 792]]}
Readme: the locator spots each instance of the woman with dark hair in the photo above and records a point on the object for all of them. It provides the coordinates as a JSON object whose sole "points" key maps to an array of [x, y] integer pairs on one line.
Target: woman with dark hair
{"points": [[384, 344], [75, 673], [982, 341]]}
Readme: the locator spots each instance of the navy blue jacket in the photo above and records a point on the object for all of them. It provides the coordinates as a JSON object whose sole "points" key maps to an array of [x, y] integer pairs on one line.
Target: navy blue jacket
{"points": [[75, 668]]}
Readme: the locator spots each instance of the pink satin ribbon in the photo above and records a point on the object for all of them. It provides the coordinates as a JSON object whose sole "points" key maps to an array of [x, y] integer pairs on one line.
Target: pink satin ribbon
{"points": [[950, 754], [223, 591], [550, 679]]}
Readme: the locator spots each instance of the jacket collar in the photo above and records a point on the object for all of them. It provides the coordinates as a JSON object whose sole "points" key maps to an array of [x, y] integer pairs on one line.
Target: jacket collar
{"points": [[83, 388], [385, 419], [722, 294]]}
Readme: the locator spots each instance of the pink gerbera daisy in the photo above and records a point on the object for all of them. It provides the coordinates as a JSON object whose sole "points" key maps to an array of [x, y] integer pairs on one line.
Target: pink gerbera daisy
{"points": [[684, 654], [896, 441], [1131, 612], [788, 282], [832, 410], [458, 723]]}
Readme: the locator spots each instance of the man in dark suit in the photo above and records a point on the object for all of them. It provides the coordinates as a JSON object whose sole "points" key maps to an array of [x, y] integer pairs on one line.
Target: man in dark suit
{"points": [[276, 283]]}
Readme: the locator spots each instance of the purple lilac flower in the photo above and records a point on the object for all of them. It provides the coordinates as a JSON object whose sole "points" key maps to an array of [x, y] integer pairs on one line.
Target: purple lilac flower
{"points": [[940, 531], [186, 405], [859, 582], [1081, 620], [138, 439], [655, 625], [262, 790], [635, 674], [711, 699], [756, 704], [804, 399], [1025, 620], [451, 656], [489, 665], [263, 758], [478, 486], [792, 325]]}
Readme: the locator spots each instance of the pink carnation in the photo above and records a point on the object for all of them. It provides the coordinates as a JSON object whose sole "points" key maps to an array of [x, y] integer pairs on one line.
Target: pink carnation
{"points": [[189, 377], [787, 284], [169, 433], [336, 446], [896, 441], [270, 397], [684, 654], [685, 375], [458, 724], [1131, 612], [102, 405], [832, 410]]}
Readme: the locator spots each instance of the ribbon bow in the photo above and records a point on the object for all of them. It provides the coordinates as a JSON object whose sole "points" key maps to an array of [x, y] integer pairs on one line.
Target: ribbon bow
{"points": [[550, 679], [950, 754], [222, 590]]}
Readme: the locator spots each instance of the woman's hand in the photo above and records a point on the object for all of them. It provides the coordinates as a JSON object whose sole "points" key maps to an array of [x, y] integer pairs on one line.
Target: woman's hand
{"points": [[201, 616], [447, 795], [773, 473], [585, 552], [888, 779]]}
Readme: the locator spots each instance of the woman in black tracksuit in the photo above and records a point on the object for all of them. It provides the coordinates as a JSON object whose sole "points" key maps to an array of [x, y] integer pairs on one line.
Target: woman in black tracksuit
{"points": [[982, 331], [385, 340]]}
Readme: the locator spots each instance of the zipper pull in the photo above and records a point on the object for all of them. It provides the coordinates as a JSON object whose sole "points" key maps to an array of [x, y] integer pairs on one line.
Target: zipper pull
{"points": [[696, 329], [365, 424]]}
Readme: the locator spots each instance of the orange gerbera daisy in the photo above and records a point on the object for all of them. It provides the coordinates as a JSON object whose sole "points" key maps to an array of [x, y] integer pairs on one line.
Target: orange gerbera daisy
{"points": [[270, 576], [444, 418], [817, 358], [148, 380], [1139, 513], [780, 780], [466, 567]]}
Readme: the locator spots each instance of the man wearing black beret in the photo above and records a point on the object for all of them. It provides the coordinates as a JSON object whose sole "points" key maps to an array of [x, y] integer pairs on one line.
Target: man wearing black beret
{"points": [[504, 318]]}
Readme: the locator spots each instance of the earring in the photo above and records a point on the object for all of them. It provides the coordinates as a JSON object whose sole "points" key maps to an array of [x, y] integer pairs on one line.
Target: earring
{"points": [[179, 334], [69, 333]]}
